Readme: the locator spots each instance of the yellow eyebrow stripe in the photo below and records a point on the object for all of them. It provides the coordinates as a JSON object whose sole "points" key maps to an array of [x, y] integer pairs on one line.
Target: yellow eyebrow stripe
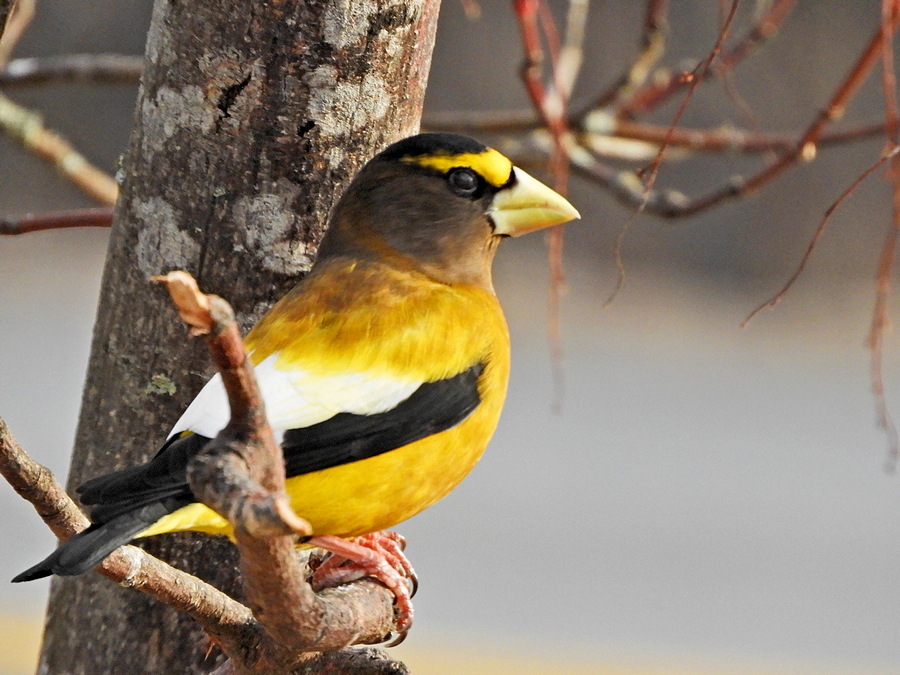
{"points": [[490, 164]]}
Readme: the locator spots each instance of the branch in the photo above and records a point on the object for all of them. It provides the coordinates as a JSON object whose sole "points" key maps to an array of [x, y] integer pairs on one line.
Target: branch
{"points": [[20, 14], [673, 204], [129, 566], [289, 624], [890, 13], [5, 7], [57, 220], [240, 474], [650, 97], [77, 68], [820, 230], [653, 45], [28, 128], [805, 149], [551, 103], [696, 77]]}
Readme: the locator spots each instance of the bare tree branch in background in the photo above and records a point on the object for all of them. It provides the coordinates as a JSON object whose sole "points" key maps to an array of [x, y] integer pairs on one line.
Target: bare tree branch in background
{"points": [[72, 69], [890, 19], [56, 220], [5, 7], [17, 17], [27, 127], [607, 128]]}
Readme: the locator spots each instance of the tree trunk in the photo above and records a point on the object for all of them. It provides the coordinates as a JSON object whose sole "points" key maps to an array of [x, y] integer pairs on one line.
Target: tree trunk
{"points": [[251, 119]]}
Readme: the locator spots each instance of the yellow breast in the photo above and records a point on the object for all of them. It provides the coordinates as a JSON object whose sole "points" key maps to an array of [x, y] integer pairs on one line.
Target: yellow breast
{"points": [[393, 323]]}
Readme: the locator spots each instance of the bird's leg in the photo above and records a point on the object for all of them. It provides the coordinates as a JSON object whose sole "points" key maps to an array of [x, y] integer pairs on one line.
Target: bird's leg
{"points": [[378, 555]]}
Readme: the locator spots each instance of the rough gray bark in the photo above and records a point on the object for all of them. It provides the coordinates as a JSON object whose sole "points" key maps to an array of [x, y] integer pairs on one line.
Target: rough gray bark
{"points": [[250, 120]]}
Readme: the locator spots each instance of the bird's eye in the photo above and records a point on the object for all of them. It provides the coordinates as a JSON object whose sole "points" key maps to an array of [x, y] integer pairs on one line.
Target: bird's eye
{"points": [[464, 182]]}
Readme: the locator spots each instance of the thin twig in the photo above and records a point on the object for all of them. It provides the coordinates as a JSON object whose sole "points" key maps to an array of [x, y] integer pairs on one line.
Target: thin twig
{"points": [[551, 103], [57, 220], [27, 127], [18, 20], [5, 7], [890, 11], [650, 97], [726, 71], [722, 139], [653, 46], [880, 325], [778, 297], [694, 80], [628, 189], [72, 68], [652, 171], [806, 147]]}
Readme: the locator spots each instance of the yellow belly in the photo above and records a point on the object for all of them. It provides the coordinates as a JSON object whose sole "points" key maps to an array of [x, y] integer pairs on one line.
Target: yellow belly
{"points": [[379, 492]]}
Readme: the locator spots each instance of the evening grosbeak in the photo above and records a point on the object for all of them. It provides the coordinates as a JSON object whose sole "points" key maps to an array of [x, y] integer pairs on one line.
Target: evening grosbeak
{"points": [[383, 372]]}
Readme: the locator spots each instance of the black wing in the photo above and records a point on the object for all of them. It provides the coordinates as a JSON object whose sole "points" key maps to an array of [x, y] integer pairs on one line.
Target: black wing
{"points": [[344, 438]]}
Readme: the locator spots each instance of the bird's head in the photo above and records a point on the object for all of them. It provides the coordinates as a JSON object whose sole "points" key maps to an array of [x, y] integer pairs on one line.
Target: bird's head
{"points": [[441, 203]]}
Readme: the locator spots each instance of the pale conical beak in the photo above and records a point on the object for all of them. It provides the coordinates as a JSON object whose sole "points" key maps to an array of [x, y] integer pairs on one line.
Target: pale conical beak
{"points": [[528, 205]]}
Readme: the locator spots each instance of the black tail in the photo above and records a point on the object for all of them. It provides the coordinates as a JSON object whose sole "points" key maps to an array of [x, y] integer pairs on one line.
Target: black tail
{"points": [[125, 503], [87, 549]]}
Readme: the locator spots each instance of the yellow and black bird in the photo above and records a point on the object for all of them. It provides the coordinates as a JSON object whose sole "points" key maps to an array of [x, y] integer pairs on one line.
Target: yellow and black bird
{"points": [[383, 372]]}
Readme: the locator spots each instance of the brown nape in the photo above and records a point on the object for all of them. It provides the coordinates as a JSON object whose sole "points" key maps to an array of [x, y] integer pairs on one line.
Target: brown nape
{"points": [[406, 213]]}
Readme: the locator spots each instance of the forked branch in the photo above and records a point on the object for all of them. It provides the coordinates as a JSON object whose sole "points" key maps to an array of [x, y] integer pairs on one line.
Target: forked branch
{"points": [[287, 628]]}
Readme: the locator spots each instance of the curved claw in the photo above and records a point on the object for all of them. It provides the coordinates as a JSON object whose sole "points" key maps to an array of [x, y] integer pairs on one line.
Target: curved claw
{"points": [[413, 583], [396, 638]]}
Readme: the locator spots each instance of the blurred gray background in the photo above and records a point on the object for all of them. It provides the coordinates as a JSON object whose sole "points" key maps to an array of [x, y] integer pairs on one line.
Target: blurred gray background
{"points": [[708, 498]]}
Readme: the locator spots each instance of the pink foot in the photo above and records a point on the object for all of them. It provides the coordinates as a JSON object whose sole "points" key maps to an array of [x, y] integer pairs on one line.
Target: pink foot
{"points": [[378, 555]]}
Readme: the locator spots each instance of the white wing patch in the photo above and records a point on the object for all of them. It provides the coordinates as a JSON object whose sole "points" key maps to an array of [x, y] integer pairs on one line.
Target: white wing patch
{"points": [[297, 398]]}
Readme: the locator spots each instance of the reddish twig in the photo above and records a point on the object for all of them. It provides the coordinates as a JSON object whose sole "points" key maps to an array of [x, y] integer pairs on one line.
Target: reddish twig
{"points": [[806, 147], [694, 80], [880, 324], [652, 171], [650, 97], [57, 220], [890, 11], [778, 297], [551, 104], [888, 77]]}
